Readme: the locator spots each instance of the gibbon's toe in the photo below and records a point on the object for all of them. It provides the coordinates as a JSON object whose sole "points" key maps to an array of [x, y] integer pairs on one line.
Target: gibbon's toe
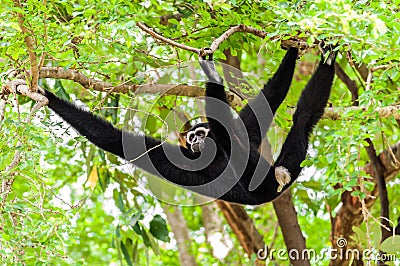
{"points": [[282, 176]]}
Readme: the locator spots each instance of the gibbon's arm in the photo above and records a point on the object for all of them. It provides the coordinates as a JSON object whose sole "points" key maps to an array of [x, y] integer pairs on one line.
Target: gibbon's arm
{"points": [[310, 109], [141, 150], [218, 110], [256, 115], [99, 131]]}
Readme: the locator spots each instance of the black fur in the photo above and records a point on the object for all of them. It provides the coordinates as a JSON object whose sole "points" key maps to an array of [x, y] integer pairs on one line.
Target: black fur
{"points": [[230, 159]]}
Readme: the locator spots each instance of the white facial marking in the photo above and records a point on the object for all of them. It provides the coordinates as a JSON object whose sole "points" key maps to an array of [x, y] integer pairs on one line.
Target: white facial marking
{"points": [[191, 135]]}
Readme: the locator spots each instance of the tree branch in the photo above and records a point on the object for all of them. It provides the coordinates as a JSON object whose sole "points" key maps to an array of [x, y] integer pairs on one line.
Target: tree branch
{"points": [[181, 234], [21, 87], [242, 226], [98, 85], [166, 40], [351, 84], [287, 216], [292, 234], [216, 43], [86, 82], [29, 41], [383, 112], [381, 184]]}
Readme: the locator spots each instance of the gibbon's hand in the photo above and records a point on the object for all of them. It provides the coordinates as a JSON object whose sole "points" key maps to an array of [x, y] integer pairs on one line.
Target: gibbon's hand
{"points": [[209, 69], [328, 52]]}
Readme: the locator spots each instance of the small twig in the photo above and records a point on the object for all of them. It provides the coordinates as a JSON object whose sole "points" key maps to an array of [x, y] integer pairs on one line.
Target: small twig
{"points": [[364, 211], [103, 99], [166, 40], [45, 35], [390, 150], [382, 67]]}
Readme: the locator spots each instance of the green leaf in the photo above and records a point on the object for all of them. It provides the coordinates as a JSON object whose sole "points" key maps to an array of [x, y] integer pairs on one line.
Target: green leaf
{"points": [[391, 245], [117, 231], [118, 200], [126, 254], [137, 228], [146, 239], [153, 244], [158, 228]]}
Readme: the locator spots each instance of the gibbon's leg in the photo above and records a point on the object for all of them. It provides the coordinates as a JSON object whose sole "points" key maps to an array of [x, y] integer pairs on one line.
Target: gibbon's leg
{"points": [[218, 110], [256, 115], [310, 109], [140, 150]]}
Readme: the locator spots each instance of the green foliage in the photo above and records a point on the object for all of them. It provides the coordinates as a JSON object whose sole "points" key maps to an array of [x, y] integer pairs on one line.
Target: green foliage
{"points": [[158, 228], [391, 245], [71, 203]]}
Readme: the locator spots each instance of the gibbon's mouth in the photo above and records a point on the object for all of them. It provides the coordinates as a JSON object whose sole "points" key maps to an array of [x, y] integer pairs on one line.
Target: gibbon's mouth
{"points": [[198, 146]]}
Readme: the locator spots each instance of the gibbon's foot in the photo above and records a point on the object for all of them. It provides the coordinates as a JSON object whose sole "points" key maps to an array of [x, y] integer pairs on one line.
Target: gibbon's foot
{"points": [[328, 53], [41, 91], [282, 176], [209, 69], [12, 88]]}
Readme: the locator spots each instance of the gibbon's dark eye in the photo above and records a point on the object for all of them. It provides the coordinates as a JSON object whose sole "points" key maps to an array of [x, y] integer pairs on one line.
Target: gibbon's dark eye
{"points": [[190, 136], [200, 133]]}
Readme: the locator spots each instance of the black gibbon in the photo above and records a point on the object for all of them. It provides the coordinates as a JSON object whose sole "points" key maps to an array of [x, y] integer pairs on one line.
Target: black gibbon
{"points": [[221, 159]]}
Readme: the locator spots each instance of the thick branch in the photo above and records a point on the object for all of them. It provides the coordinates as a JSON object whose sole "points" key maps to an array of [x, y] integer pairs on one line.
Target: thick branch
{"points": [[98, 85], [351, 84], [287, 216], [383, 112], [292, 234], [29, 41], [242, 226], [181, 90], [88, 83]]}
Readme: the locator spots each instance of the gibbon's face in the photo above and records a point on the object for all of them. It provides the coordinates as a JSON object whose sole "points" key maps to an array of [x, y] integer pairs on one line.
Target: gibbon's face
{"points": [[195, 138]]}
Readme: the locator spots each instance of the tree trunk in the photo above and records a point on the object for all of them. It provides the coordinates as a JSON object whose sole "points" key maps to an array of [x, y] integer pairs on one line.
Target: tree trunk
{"points": [[181, 233], [294, 239]]}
